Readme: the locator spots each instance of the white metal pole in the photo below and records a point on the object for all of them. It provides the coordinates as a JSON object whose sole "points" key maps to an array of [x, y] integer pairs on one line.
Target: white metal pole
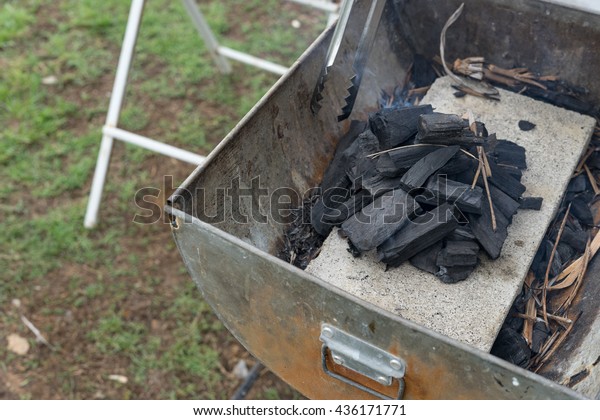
{"points": [[207, 35], [155, 146], [251, 60], [325, 5], [114, 110]]}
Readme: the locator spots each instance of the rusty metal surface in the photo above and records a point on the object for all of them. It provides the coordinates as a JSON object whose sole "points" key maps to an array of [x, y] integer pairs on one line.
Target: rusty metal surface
{"points": [[276, 311]]}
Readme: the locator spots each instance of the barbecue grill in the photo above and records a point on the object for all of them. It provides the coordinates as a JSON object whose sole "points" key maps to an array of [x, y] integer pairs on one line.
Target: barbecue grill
{"points": [[297, 324]]}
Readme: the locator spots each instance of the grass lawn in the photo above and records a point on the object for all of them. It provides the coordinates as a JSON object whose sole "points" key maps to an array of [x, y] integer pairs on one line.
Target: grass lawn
{"points": [[117, 300]]}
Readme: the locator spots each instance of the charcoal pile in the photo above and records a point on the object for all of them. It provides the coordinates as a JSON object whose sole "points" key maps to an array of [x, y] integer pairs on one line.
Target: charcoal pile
{"points": [[430, 188]]}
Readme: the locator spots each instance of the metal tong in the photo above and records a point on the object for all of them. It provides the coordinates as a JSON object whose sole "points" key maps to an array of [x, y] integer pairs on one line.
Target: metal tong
{"points": [[360, 58]]}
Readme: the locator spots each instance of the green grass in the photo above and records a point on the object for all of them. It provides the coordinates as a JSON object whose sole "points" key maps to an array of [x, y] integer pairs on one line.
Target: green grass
{"points": [[49, 137]]}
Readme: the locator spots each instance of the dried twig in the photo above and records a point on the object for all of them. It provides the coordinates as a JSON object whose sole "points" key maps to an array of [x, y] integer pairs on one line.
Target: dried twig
{"points": [[38, 335], [464, 84], [550, 260], [483, 168], [486, 164], [470, 66], [549, 342], [559, 318], [584, 159], [592, 179], [468, 154], [535, 318], [477, 173], [573, 270], [520, 74], [586, 259], [374, 155], [556, 344], [529, 320]]}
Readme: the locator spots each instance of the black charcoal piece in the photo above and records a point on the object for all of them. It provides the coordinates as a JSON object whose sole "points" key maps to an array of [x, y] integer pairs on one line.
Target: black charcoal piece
{"points": [[458, 253], [526, 125], [542, 258], [461, 233], [509, 153], [557, 263], [356, 128], [436, 125], [466, 138], [512, 347], [541, 332], [337, 215], [337, 167], [574, 238], [513, 320], [356, 163], [565, 251], [376, 184], [397, 162], [330, 199], [573, 223], [426, 259], [386, 166], [365, 144], [505, 182], [537, 265], [480, 129], [417, 235], [578, 184], [460, 94], [353, 250], [593, 162], [363, 170], [581, 210], [451, 275], [417, 175], [443, 189], [459, 163], [394, 126], [530, 203], [466, 177], [481, 225], [503, 202], [513, 171], [379, 220]]}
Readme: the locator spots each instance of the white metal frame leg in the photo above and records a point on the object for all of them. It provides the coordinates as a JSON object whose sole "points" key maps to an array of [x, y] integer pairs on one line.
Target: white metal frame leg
{"points": [[325, 5], [220, 53], [206, 34], [114, 110], [110, 130]]}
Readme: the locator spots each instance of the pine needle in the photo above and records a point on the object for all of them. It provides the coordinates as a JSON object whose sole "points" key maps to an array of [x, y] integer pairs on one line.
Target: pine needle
{"points": [[551, 259], [487, 187], [592, 179], [561, 338]]}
